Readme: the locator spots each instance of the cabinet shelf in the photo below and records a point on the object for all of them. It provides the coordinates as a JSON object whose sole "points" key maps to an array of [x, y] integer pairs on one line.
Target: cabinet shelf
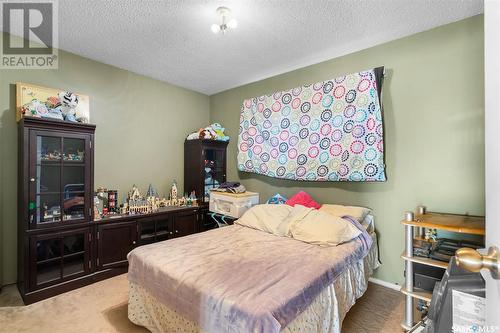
{"points": [[466, 224], [152, 235], [147, 236], [420, 294], [59, 162], [59, 258], [425, 261]]}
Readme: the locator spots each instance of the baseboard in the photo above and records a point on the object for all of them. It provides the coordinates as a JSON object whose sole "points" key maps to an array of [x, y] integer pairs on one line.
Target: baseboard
{"points": [[386, 284]]}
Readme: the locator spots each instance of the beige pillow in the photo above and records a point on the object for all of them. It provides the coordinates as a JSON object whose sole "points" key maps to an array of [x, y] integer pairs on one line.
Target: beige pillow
{"points": [[324, 229], [359, 213], [268, 218]]}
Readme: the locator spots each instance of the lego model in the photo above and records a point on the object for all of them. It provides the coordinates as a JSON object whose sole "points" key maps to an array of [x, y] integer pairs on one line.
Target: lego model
{"points": [[136, 203]]}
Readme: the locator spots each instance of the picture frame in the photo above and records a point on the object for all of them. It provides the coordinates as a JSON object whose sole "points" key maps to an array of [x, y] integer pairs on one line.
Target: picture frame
{"points": [[26, 92]]}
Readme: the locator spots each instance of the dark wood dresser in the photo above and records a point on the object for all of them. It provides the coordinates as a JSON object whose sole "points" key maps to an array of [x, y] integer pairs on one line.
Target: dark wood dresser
{"points": [[60, 246]]}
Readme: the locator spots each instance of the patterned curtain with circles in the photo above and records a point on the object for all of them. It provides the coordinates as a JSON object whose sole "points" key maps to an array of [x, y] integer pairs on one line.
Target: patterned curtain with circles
{"points": [[326, 131]]}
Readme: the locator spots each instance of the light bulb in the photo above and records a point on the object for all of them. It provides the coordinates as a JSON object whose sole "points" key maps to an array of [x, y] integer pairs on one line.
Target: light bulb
{"points": [[215, 28], [233, 24]]}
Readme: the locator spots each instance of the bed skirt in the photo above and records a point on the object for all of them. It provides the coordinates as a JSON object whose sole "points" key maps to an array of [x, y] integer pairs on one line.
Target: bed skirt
{"points": [[324, 315]]}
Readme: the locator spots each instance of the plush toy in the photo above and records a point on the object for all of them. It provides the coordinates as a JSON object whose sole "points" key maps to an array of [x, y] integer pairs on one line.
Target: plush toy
{"points": [[53, 102], [54, 114], [207, 133], [193, 136], [81, 116], [219, 132], [35, 108], [277, 199], [69, 102], [211, 132]]}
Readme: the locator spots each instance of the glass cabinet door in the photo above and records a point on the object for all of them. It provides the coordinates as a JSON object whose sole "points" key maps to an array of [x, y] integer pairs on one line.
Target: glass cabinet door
{"points": [[60, 256], [214, 169], [154, 230], [48, 179], [58, 182]]}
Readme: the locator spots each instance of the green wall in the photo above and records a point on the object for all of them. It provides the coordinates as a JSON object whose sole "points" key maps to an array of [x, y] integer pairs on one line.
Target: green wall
{"points": [[141, 126], [434, 130]]}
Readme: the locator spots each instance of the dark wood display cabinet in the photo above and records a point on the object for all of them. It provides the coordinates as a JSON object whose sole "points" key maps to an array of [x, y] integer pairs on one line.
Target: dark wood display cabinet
{"points": [[60, 246], [204, 169]]}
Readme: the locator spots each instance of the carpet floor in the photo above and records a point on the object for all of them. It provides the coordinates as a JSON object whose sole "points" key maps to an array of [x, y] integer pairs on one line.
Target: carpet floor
{"points": [[102, 307]]}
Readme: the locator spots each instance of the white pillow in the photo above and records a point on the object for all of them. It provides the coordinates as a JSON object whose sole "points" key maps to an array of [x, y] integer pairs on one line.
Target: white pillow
{"points": [[359, 213], [268, 217], [324, 229]]}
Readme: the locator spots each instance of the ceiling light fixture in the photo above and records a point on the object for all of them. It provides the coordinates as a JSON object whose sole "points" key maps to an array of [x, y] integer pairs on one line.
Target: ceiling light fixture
{"points": [[227, 21]]}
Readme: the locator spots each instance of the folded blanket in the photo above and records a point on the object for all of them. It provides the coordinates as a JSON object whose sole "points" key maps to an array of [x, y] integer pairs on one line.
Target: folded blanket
{"points": [[230, 187]]}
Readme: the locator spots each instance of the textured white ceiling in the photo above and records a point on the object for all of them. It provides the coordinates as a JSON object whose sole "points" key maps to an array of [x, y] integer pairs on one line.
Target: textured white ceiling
{"points": [[170, 40]]}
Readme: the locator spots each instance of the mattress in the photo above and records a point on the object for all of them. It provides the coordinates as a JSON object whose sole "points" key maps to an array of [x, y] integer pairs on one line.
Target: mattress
{"points": [[324, 314]]}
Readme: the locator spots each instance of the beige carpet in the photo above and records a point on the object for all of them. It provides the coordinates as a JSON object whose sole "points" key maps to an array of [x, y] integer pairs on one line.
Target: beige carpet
{"points": [[102, 307]]}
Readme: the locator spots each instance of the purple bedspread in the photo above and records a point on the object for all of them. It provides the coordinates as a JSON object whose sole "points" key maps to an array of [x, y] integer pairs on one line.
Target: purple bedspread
{"points": [[237, 279]]}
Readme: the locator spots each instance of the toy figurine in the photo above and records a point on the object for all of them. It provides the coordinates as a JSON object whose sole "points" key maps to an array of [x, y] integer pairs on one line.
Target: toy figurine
{"points": [[97, 214], [173, 191]]}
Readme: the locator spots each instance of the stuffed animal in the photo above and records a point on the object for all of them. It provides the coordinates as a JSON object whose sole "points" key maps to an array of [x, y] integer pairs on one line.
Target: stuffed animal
{"points": [[211, 132], [81, 116], [219, 132], [277, 199], [35, 108], [207, 133], [54, 114], [53, 102], [193, 136], [69, 102]]}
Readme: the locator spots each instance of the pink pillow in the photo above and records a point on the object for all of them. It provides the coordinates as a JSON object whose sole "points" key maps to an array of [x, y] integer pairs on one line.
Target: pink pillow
{"points": [[304, 199]]}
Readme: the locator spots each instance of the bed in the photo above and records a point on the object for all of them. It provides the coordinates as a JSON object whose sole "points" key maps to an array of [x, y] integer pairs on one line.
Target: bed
{"points": [[239, 279]]}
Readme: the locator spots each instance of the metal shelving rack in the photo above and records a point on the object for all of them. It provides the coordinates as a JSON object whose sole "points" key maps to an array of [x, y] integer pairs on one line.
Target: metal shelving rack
{"points": [[464, 224]]}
